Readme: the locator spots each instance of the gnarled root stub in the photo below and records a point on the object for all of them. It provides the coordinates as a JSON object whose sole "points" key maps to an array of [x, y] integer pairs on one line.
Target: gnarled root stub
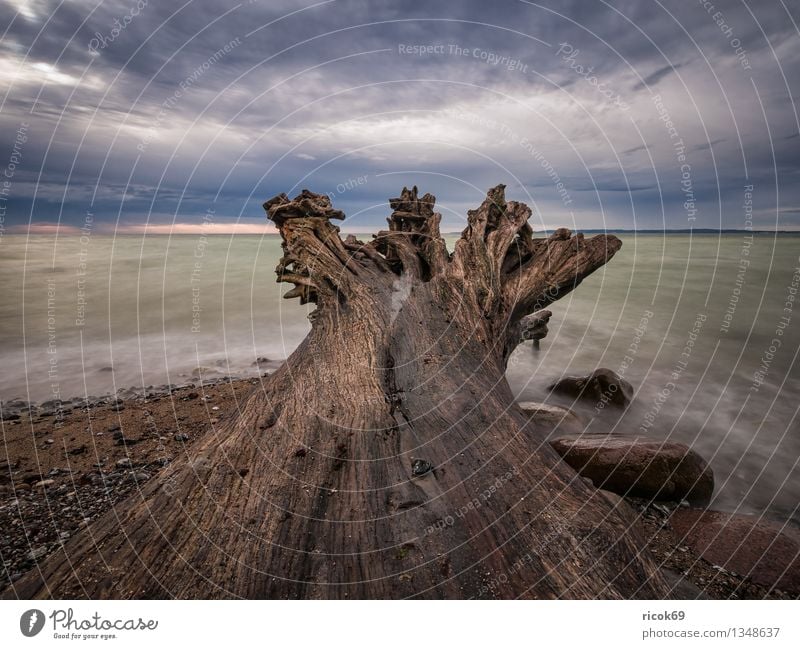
{"points": [[386, 457]]}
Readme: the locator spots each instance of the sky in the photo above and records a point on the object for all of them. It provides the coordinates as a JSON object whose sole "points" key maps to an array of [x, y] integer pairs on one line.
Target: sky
{"points": [[153, 116]]}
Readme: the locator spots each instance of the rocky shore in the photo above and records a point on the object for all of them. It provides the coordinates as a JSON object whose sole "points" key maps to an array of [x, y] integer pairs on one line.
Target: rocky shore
{"points": [[62, 468]]}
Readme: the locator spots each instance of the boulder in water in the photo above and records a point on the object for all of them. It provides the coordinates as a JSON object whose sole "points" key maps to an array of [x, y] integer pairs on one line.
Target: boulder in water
{"points": [[534, 326], [638, 466], [601, 386]]}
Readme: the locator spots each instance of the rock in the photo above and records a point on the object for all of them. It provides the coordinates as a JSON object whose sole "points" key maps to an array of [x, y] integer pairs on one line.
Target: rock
{"points": [[600, 387], [554, 416], [191, 396], [637, 466], [44, 483], [126, 441], [420, 467], [124, 463], [765, 551], [534, 326], [180, 437], [78, 450], [88, 478]]}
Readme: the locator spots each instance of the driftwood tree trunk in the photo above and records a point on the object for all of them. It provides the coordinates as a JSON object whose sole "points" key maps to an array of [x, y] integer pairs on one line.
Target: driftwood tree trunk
{"points": [[386, 458]]}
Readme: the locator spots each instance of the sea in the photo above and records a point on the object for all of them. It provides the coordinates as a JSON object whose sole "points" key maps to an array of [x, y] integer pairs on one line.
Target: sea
{"points": [[706, 328]]}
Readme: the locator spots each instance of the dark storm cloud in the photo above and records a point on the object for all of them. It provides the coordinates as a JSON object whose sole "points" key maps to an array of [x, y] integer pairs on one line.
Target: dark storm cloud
{"points": [[158, 110], [707, 145], [653, 78]]}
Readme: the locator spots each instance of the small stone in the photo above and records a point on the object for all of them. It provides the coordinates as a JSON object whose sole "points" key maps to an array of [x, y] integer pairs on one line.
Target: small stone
{"points": [[181, 437], [123, 463], [49, 441], [420, 467], [44, 483]]}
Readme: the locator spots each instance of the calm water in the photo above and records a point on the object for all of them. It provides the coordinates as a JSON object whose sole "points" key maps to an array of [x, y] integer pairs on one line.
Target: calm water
{"points": [[89, 316]]}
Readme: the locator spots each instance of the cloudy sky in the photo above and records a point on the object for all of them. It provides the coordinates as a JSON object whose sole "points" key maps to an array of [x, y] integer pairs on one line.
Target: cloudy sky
{"points": [[623, 114]]}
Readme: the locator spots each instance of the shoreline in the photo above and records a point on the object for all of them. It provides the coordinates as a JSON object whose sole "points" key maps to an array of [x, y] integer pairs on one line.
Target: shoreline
{"points": [[58, 476]]}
